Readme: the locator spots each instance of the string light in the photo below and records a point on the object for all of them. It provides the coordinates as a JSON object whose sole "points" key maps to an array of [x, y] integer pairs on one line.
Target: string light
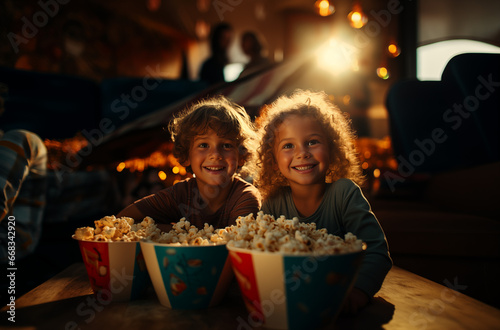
{"points": [[394, 50], [382, 72], [324, 7], [357, 18], [162, 175], [120, 167]]}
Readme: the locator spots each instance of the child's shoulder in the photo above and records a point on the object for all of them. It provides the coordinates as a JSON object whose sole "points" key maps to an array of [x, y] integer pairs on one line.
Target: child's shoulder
{"points": [[244, 191], [343, 184], [241, 184], [282, 194]]}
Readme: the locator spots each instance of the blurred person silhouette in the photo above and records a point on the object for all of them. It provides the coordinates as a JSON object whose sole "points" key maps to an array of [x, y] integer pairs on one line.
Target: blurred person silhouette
{"points": [[253, 48], [212, 69]]}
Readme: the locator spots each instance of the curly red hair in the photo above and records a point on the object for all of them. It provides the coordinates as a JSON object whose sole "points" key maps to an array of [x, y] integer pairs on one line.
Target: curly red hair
{"points": [[344, 162]]}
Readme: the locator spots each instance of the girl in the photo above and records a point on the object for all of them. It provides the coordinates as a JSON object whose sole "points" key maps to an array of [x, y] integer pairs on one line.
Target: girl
{"points": [[309, 169], [213, 139]]}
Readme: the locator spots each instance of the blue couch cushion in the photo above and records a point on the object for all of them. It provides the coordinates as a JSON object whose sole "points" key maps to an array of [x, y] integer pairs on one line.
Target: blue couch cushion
{"points": [[125, 99], [54, 106]]}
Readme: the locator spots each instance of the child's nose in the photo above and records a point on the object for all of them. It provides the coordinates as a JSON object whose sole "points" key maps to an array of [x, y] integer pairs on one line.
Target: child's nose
{"points": [[303, 153], [215, 154]]}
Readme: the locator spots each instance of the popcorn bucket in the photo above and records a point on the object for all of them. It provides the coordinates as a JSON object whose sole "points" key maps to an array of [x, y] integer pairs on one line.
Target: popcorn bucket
{"points": [[188, 277], [116, 270], [293, 291]]}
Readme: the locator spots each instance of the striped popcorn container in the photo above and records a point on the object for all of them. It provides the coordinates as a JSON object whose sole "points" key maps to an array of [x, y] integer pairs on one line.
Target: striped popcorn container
{"points": [[293, 291], [188, 276], [117, 270]]}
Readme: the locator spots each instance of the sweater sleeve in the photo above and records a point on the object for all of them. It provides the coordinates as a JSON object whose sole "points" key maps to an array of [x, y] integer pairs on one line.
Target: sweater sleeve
{"points": [[359, 219]]}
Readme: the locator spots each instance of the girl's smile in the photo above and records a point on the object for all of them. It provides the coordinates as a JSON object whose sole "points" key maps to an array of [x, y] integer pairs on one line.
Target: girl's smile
{"points": [[304, 168]]}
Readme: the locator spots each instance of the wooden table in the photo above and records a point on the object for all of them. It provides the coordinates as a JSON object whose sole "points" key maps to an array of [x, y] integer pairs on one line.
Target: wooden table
{"points": [[406, 301]]}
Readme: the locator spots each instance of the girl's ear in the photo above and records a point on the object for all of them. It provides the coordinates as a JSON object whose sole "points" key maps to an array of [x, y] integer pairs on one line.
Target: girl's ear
{"points": [[275, 167], [186, 163]]}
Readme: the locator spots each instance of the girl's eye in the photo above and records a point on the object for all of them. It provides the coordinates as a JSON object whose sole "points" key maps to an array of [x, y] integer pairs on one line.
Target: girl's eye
{"points": [[227, 146], [313, 142], [203, 145], [287, 146]]}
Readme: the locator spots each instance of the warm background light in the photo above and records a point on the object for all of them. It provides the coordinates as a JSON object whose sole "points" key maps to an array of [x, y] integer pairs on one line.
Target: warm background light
{"points": [[202, 29], [120, 167], [357, 19], [337, 57], [346, 99], [324, 7], [394, 50], [162, 175], [382, 72]]}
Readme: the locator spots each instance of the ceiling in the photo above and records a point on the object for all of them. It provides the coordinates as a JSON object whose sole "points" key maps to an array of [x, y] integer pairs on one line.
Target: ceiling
{"points": [[178, 17]]}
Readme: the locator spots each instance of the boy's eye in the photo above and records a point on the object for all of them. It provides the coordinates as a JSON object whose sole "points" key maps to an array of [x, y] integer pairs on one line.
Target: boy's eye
{"points": [[203, 145], [227, 146]]}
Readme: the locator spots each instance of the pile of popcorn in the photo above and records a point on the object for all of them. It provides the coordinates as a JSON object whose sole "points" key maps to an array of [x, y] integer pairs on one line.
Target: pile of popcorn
{"points": [[112, 229], [183, 233], [262, 233]]}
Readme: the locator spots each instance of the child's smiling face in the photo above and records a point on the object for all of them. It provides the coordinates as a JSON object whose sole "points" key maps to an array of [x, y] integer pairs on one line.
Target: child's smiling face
{"points": [[301, 151], [213, 159]]}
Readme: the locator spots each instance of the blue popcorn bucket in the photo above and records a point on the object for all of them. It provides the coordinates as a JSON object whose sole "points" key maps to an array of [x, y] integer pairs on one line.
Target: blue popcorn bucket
{"points": [[188, 277], [293, 291]]}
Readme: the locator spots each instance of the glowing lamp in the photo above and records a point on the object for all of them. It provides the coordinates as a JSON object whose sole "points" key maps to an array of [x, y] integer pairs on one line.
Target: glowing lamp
{"points": [[394, 50], [120, 167], [357, 19], [162, 175], [382, 72], [324, 7]]}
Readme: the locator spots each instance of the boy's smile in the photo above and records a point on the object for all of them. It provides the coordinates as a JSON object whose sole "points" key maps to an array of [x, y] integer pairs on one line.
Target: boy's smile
{"points": [[301, 150]]}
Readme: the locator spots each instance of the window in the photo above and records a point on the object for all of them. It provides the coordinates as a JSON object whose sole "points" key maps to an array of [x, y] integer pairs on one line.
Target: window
{"points": [[432, 58]]}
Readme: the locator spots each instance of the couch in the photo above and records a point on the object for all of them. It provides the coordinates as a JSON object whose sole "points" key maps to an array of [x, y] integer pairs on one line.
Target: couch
{"points": [[439, 208]]}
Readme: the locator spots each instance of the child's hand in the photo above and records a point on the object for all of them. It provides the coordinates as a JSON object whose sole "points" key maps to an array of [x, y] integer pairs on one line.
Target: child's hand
{"points": [[356, 300]]}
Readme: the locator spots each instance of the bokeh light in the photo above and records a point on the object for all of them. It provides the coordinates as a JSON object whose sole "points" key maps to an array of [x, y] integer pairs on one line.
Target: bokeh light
{"points": [[162, 175], [336, 57], [357, 19], [382, 72], [394, 50], [324, 7]]}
